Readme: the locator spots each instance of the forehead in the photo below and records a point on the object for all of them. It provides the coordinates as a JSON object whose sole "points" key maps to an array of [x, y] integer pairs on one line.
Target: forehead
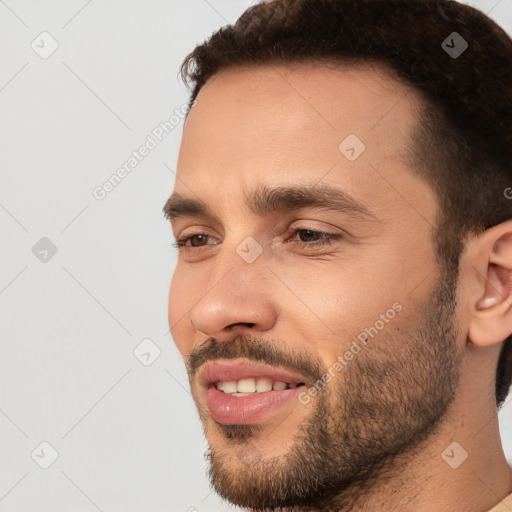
{"points": [[305, 96], [288, 124]]}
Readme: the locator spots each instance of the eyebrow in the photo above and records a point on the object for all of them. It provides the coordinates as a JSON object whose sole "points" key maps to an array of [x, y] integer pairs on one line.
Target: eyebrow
{"points": [[265, 201]]}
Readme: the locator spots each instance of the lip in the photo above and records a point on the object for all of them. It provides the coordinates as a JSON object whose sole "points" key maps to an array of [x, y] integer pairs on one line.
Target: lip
{"points": [[231, 410]]}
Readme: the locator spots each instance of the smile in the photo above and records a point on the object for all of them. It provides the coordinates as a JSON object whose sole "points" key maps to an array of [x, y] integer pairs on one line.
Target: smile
{"points": [[241, 392]]}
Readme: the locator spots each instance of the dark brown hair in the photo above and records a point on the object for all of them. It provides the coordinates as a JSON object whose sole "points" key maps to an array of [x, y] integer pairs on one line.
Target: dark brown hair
{"points": [[462, 146]]}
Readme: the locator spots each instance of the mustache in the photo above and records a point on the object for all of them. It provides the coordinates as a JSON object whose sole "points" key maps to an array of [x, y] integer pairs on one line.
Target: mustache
{"points": [[257, 350]]}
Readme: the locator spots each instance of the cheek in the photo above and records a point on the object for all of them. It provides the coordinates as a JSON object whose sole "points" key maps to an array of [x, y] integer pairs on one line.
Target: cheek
{"points": [[335, 302], [177, 313]]}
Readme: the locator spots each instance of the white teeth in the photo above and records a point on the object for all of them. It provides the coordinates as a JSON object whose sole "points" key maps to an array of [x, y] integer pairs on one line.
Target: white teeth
{"points": [[263, 384], [246, 386], [250, 385], [229, 387]]}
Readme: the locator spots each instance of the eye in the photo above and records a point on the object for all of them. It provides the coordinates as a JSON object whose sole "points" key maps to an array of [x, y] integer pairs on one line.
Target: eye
{"points": [[196, 237], [320, 239], [325, 239]]}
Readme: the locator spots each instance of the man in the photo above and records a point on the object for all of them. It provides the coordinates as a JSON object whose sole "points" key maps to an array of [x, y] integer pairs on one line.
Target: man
{"points": [[342, 297]]}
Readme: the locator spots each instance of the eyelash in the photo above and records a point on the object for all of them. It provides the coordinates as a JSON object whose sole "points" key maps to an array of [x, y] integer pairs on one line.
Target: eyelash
{"points": [[326, 240]]}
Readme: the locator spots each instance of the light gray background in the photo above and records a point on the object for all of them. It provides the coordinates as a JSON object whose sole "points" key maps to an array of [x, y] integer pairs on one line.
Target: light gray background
{"points": [[127, 435]]}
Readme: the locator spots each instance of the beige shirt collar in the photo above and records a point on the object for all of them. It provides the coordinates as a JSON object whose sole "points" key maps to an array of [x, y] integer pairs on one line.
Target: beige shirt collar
{"points": [[503, 506]]}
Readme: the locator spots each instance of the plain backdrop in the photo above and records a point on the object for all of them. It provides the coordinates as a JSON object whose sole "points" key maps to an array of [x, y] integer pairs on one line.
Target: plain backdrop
{"points": [[95, 409]]}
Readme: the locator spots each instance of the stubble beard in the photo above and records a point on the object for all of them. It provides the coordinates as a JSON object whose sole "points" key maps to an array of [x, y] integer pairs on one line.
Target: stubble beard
{"points": [[389, 399]]}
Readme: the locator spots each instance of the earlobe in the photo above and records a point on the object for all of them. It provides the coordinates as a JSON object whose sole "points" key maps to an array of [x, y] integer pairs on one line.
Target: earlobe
{"points": [[491, 313]]}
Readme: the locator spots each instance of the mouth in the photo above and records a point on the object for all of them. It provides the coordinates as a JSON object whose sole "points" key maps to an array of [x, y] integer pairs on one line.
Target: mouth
{"points": [[241, 392]]}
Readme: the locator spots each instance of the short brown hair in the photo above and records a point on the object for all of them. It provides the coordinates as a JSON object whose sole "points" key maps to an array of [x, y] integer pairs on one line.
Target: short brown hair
{"points": [[462, 146]]}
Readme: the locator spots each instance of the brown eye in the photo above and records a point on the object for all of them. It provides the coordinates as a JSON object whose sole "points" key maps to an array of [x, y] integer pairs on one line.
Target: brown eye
{"points": [[313, 238], [195, 241]]}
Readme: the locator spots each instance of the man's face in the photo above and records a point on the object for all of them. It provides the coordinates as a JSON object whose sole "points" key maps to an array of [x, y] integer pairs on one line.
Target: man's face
{"points": [[358, 329]]}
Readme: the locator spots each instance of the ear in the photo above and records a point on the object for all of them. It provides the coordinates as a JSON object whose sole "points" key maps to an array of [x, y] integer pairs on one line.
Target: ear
{"points": [[490, 316]]}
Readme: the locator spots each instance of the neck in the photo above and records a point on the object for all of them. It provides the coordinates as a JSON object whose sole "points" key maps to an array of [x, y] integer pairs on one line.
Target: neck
{"points": [[428, 482], [460, 467]]}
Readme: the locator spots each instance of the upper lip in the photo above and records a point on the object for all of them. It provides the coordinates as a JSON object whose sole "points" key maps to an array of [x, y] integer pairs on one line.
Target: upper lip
{"points": [[234, 370]]}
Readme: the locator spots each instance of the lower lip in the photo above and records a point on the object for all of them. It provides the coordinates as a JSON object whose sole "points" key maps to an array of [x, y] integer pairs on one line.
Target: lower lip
{"points": [[241, 410]]}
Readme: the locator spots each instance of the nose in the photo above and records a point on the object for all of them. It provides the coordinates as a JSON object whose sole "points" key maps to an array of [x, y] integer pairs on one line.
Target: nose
{"points": [[238, 298]]}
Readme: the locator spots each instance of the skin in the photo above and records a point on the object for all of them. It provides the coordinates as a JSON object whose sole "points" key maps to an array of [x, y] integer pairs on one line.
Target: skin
{"points": [[281, 126]]}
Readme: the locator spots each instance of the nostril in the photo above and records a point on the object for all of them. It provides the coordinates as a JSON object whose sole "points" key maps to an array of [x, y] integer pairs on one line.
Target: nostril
{"points": [[244, 324]]}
